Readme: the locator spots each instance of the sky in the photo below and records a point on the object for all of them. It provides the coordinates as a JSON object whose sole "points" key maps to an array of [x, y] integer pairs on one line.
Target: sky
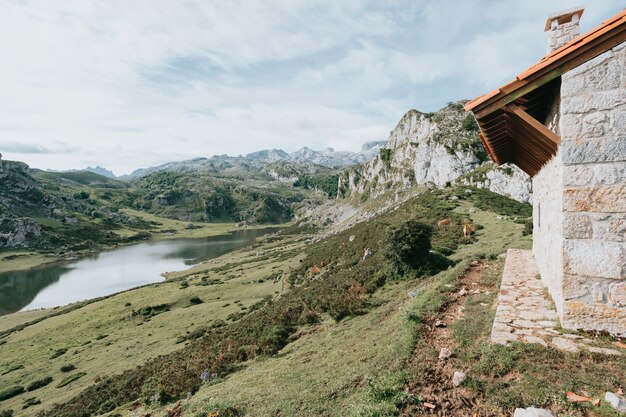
{"points": [[129, 84]]}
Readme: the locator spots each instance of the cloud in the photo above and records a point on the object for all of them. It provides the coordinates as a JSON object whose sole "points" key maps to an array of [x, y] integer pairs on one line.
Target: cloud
{"points": [[126, 84], [25, 148]]}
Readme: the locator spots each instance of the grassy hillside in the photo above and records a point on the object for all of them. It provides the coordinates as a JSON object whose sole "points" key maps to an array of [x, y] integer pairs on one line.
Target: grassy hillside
{"points": [[78, 211], [122, 331], [191, 197], [293, 326]]}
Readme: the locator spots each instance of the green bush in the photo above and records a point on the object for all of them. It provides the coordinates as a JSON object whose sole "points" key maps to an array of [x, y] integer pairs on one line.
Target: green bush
{"points": [[83, 195], [409, 244], [13, 368], [469, 123], [6, 413], [29, 402], [71, 378], [195, 301], [67, 368], [11, 392], [385, 156], [39, 383], [58, 352], [488, 200], [329, 184]]}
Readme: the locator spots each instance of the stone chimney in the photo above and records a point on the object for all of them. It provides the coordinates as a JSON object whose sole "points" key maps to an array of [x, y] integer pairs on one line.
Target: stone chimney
{"points": [[563, 27]]}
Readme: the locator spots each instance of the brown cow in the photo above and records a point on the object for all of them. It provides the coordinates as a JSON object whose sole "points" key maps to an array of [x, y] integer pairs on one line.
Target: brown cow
{"points": [[468, 229], [444, 223]]}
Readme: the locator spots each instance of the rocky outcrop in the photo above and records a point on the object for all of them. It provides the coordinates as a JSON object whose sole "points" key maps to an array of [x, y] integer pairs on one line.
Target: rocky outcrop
{"points": [[433, 149], [506, 180], [18, 233]]}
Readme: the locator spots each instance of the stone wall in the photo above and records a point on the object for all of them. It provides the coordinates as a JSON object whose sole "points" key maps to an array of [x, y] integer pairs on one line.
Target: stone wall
{"points": [[593, 159], [548, 227]]}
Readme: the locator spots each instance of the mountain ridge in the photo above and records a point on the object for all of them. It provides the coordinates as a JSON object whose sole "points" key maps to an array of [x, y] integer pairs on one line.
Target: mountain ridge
{"points": [[326, 157]]}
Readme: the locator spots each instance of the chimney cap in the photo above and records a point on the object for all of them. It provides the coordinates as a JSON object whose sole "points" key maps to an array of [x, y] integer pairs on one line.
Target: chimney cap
{"points": [[564, 16]]}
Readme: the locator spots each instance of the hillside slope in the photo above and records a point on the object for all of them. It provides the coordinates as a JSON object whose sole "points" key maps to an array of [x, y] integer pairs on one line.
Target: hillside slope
{"points": [[339, 332]]}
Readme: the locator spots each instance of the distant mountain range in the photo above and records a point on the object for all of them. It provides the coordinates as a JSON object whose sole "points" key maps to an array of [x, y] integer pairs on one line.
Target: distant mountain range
{"points": [[255, 161], [96, 170]]}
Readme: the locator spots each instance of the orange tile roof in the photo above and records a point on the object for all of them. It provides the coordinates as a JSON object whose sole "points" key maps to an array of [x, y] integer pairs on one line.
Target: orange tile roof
{"points": [[509, 135], [552, 59]]}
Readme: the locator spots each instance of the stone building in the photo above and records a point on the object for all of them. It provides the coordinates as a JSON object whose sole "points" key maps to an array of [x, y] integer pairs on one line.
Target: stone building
{"points": [[563, 121]]}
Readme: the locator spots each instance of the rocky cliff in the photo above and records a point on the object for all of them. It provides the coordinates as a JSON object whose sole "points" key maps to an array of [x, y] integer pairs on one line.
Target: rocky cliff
{"points": [[439, 149]]}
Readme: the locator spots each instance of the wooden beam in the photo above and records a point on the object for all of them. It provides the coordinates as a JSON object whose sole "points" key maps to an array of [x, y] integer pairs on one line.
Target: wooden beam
{"points": [[533, 124], [526, 137]]}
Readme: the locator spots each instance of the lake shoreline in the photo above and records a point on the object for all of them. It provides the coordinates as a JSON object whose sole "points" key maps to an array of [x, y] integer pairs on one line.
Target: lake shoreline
{"points": [[27, 259], [189, 253]]}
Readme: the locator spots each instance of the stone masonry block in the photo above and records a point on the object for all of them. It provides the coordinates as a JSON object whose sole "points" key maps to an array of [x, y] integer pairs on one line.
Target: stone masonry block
{"points": [[617, 294], [576, 287], [580, 175], [594, 258], [594, 150], [596, 101], [572, 86], [609, 173], [594, 290], [609, 227], [594, 125], [593, 316], [577, 226], [590, 65], [605, 199], [617, 121], [605, 76], [570, 126]]}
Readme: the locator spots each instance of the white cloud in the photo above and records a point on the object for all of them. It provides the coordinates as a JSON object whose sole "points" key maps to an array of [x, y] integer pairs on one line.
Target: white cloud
{"points": [[127, 84]]}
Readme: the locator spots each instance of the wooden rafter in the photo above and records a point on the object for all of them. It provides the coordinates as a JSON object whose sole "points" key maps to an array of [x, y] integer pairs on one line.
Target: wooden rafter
{"points": [[535, 125]]}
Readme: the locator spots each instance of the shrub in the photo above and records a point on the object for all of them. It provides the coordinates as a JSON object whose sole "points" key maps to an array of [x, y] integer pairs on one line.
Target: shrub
{"points": [[83, 195], [13, 368], [151, 311], [469, 123], [195, 301], [6, 413], [11, 392], [409, 244], [67, 368], [71, 378], [29, 402], [528, 228], [385, 156], [58, 352], [39, 383], [329, 184]]}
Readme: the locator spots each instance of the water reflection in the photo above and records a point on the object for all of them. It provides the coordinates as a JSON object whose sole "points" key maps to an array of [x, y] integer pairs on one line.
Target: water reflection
{"points": [[109, 272]]}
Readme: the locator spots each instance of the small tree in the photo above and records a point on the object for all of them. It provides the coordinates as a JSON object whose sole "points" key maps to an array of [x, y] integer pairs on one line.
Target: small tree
{"points": [[409, 245]]}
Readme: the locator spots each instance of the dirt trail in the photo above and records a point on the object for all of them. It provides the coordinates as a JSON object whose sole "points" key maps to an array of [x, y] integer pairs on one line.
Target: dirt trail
{"points": [[434, 382]]}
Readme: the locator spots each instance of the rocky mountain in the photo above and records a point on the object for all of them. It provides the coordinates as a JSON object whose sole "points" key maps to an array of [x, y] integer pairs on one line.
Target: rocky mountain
{"points": [[101, 171], [268, 155], [96, 170], [258, 161], [440, 148]]}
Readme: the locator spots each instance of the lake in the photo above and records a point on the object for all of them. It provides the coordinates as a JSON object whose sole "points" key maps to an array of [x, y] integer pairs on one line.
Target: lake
{"points": [[112, 271]]}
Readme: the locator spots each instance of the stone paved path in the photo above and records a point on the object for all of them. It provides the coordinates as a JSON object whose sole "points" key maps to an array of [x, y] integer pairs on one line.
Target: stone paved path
{"points": [[526, 314]]}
